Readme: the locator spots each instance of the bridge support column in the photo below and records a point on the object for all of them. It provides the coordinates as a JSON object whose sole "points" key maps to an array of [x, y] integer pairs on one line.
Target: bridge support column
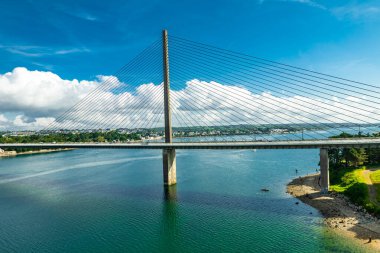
{"points": [[170, 167], [324, 168]]}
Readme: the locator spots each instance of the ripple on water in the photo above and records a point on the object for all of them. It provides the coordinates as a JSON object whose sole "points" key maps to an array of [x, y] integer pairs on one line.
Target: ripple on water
{"points": [[113, 201]]}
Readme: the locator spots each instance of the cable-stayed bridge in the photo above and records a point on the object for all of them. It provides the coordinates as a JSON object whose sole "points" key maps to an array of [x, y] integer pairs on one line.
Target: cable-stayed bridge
{"points": [[212, 98]]}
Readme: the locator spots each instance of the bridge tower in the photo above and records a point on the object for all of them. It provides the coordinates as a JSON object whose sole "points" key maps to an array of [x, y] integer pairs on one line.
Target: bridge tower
{"points": [[324, 168], [168, 154]]}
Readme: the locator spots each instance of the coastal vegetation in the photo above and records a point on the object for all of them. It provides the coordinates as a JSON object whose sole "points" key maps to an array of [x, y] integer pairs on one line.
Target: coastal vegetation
{"points": [[350, 182], [97, 136], [354, 173], [69, 137], [375, 177]]}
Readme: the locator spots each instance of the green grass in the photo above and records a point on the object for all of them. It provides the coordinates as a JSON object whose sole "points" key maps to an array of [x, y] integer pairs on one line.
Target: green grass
{"points": [[375, 178], [350, 182], [347, 179]]}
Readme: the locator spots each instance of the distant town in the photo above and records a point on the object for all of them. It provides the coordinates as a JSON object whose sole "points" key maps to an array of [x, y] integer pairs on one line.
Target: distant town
{"points": [[143, 134]]}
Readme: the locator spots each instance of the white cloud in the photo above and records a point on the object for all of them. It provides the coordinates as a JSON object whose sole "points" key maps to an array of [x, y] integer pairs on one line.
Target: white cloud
{"points": [[228, 104], [83, 15], [3, 121], [305, 2], [356, 11], [77, 13], [37, 94], [37, 98], [353, 11], [38, 51], [2, 118]]}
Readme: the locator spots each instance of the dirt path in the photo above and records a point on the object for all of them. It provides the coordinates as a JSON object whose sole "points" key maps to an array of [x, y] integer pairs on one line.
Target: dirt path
{"points": [[371, 187]]}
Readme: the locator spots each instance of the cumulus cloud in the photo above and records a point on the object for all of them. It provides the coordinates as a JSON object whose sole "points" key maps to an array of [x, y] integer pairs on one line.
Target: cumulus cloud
{"points": [[37, 99], [3, 118], [39, 93], [215, 103], [3, 121], [37, 96]]}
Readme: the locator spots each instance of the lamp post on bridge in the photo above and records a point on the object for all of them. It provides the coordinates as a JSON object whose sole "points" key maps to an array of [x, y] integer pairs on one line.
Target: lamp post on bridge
{"points": [[168, 154]]}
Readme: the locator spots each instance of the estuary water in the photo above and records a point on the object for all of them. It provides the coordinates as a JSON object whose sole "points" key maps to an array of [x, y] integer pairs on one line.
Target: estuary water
{"points": [[114, 201]]}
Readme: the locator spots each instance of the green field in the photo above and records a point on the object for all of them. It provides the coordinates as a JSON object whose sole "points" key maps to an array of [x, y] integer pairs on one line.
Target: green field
{"points": [[375, 178], [350, 182]]}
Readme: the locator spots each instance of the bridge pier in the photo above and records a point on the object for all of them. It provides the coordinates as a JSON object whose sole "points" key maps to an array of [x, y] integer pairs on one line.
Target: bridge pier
{"points": [[324, 168], [170, 166], [168, 154]]}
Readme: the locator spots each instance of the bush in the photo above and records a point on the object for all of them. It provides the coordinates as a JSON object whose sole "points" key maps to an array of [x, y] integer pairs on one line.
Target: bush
{"points": [[357, 193], [350, 182]]}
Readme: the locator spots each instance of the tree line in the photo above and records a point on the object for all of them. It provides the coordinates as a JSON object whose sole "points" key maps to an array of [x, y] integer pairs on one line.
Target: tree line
{"points": [[347, 157], [110, 136]]}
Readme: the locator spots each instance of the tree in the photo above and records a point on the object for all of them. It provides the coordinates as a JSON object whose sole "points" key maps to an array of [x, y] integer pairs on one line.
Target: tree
{"points": [[354, 156], [101, 139]]}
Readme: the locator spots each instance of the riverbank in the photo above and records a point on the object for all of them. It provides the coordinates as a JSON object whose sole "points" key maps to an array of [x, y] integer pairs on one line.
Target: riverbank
{"points": [[41, 151], [339, 213]]}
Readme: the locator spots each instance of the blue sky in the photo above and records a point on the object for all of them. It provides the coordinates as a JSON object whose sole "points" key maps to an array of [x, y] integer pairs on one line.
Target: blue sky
{"points": [[82, 39], [53, 53]]}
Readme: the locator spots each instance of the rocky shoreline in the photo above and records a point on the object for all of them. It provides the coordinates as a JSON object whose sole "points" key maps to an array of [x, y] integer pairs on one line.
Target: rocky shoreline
{"points": [[339, 213]]}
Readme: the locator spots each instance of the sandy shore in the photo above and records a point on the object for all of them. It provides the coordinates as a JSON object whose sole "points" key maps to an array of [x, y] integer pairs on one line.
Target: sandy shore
{"points": [[41, 151], [339, 214]]}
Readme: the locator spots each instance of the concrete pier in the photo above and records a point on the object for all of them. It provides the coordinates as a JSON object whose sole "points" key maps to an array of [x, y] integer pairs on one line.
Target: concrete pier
{"points": [[324, 168], [169, 167]]}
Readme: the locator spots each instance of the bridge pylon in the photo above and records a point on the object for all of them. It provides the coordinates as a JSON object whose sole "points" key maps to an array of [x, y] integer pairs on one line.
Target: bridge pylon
{"points": [[324, 168], [168, 155]]}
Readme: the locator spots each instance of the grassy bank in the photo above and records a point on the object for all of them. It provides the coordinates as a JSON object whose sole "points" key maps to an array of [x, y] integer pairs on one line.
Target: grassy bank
{"points": [[350, 182], [375, 177]]}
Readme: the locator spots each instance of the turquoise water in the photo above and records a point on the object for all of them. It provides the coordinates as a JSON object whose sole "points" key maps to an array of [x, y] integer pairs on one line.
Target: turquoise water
{"points": [[114, 201]]}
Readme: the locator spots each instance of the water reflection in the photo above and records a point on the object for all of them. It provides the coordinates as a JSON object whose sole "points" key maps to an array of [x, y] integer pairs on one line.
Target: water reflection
{"points": [[170, 226], [170, 193]]}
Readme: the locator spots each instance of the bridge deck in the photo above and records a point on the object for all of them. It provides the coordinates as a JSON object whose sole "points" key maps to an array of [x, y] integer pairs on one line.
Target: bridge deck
{"points": [[306, 144]]}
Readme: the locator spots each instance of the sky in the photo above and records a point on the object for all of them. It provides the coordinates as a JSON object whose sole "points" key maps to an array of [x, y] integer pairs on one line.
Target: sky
{"points": [[53, 53]]}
